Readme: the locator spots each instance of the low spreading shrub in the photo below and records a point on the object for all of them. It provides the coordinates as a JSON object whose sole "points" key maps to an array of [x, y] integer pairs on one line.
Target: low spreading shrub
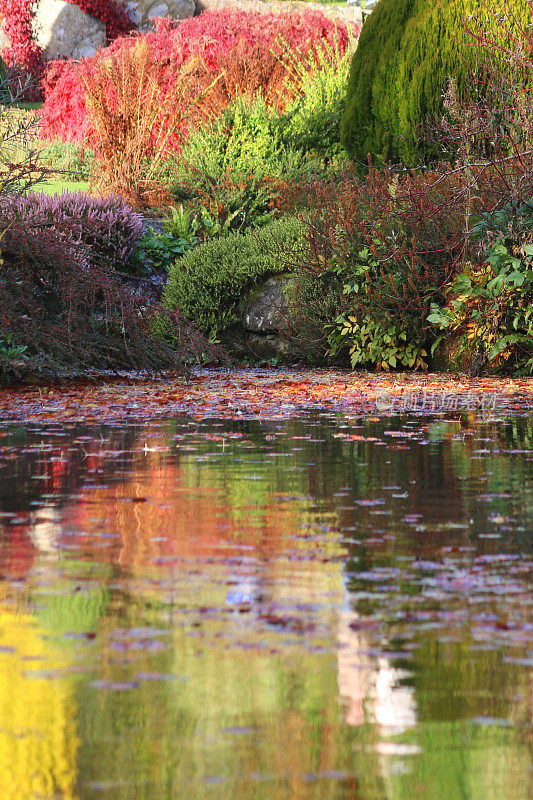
{"points": [[64, 306], [208, 283], [105, 231]]}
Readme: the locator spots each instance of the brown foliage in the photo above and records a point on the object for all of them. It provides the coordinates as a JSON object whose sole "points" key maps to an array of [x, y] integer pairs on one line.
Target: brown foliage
{"points": [[135, 120]]}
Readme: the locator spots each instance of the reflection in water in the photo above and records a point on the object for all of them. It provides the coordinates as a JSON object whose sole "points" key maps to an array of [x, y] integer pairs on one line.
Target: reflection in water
{"points": [[372, 686], [38, 736], [310, 609]]}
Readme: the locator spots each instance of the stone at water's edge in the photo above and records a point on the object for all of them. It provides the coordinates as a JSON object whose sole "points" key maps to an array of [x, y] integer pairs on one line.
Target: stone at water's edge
{"points": [[266, 310], [264, 323]]}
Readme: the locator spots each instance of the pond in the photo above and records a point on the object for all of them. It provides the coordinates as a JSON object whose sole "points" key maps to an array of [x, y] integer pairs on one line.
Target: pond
{"points": [[322, 607]]}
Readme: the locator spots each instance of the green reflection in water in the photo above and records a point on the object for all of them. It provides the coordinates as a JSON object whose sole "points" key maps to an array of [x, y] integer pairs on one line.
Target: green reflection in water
{"points": [[207, 617]]}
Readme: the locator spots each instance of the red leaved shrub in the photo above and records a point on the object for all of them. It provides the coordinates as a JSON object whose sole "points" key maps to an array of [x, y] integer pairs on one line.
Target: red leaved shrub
{"points": [[231, 44], [22, 51]]}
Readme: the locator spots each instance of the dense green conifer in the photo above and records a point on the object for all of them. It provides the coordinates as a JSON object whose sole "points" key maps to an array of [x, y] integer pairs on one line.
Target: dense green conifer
{"points": [[407, 51]]}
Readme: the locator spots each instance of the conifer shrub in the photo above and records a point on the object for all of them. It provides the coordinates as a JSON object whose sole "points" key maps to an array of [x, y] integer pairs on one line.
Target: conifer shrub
{"points": [[407, 51], [208, 283]]}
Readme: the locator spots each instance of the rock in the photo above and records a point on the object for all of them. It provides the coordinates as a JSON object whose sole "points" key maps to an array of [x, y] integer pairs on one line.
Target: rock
{"points": [[262, 333], [63, 30], [143, 12], [160, 10], [261, 347], [266, 310]]}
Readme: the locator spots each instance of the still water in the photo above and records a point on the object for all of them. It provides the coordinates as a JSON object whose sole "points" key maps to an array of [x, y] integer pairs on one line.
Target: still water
{"points": [[319, 608]]}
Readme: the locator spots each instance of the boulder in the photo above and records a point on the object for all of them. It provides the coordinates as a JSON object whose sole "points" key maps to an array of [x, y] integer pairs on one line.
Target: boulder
{"points": [[63, 30], [266, 310], [143, 12], [264, 323]]}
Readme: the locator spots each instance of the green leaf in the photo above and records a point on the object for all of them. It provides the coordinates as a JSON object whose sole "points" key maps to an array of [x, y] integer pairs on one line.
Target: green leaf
{"points": [[436, 343], [507, 341]]}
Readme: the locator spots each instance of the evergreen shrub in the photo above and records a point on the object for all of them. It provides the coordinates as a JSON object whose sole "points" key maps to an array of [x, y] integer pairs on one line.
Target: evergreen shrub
{"points": [[407, 51], [208, 283]]}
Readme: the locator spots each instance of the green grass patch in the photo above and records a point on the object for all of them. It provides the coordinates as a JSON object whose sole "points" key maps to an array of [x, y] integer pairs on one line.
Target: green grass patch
{"points": [[56, 187]]}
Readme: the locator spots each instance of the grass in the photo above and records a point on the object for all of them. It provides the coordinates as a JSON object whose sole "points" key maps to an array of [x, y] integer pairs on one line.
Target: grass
{"points": [[56, 187]]}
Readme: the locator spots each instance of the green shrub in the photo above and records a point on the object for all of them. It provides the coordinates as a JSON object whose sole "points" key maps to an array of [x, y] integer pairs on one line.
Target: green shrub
{"points": [[407, 51], [490, 304], [238, 167], [156, 250], [208, 283], [312, 121]]}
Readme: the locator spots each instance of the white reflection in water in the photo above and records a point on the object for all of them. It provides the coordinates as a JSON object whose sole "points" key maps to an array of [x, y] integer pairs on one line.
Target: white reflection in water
{"points": [[369, 683]]}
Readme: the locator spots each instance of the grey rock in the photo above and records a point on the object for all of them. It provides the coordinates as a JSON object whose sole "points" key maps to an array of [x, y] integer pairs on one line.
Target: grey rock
{"points": [[261, 347], [143, 12], [63, 30], [266, 310]]}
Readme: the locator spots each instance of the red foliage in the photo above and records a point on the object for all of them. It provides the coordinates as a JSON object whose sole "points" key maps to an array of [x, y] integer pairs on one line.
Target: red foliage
{"points": [[209, 37], [109, 12], [17, 19]]}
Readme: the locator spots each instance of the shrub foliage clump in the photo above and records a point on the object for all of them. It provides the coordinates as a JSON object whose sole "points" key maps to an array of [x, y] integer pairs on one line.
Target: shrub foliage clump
{"points": [[208, 283], [65, 305], [241, 48], [407, 51]]}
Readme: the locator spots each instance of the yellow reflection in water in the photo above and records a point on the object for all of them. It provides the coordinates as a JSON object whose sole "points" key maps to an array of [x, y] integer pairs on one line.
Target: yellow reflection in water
{"points": [[38, 738]]}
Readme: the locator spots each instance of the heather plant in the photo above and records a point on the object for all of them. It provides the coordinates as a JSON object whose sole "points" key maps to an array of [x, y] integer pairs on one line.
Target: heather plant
{"points": [[65, 310], [105, 230]]}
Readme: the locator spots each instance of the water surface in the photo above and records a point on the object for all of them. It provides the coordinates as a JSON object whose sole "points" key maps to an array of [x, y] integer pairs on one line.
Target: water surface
{"points": [[315, 608]]}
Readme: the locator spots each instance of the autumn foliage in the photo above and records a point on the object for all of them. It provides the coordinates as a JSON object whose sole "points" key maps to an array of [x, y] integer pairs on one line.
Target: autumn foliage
{"points": [[24, 52], [248, 52]]}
